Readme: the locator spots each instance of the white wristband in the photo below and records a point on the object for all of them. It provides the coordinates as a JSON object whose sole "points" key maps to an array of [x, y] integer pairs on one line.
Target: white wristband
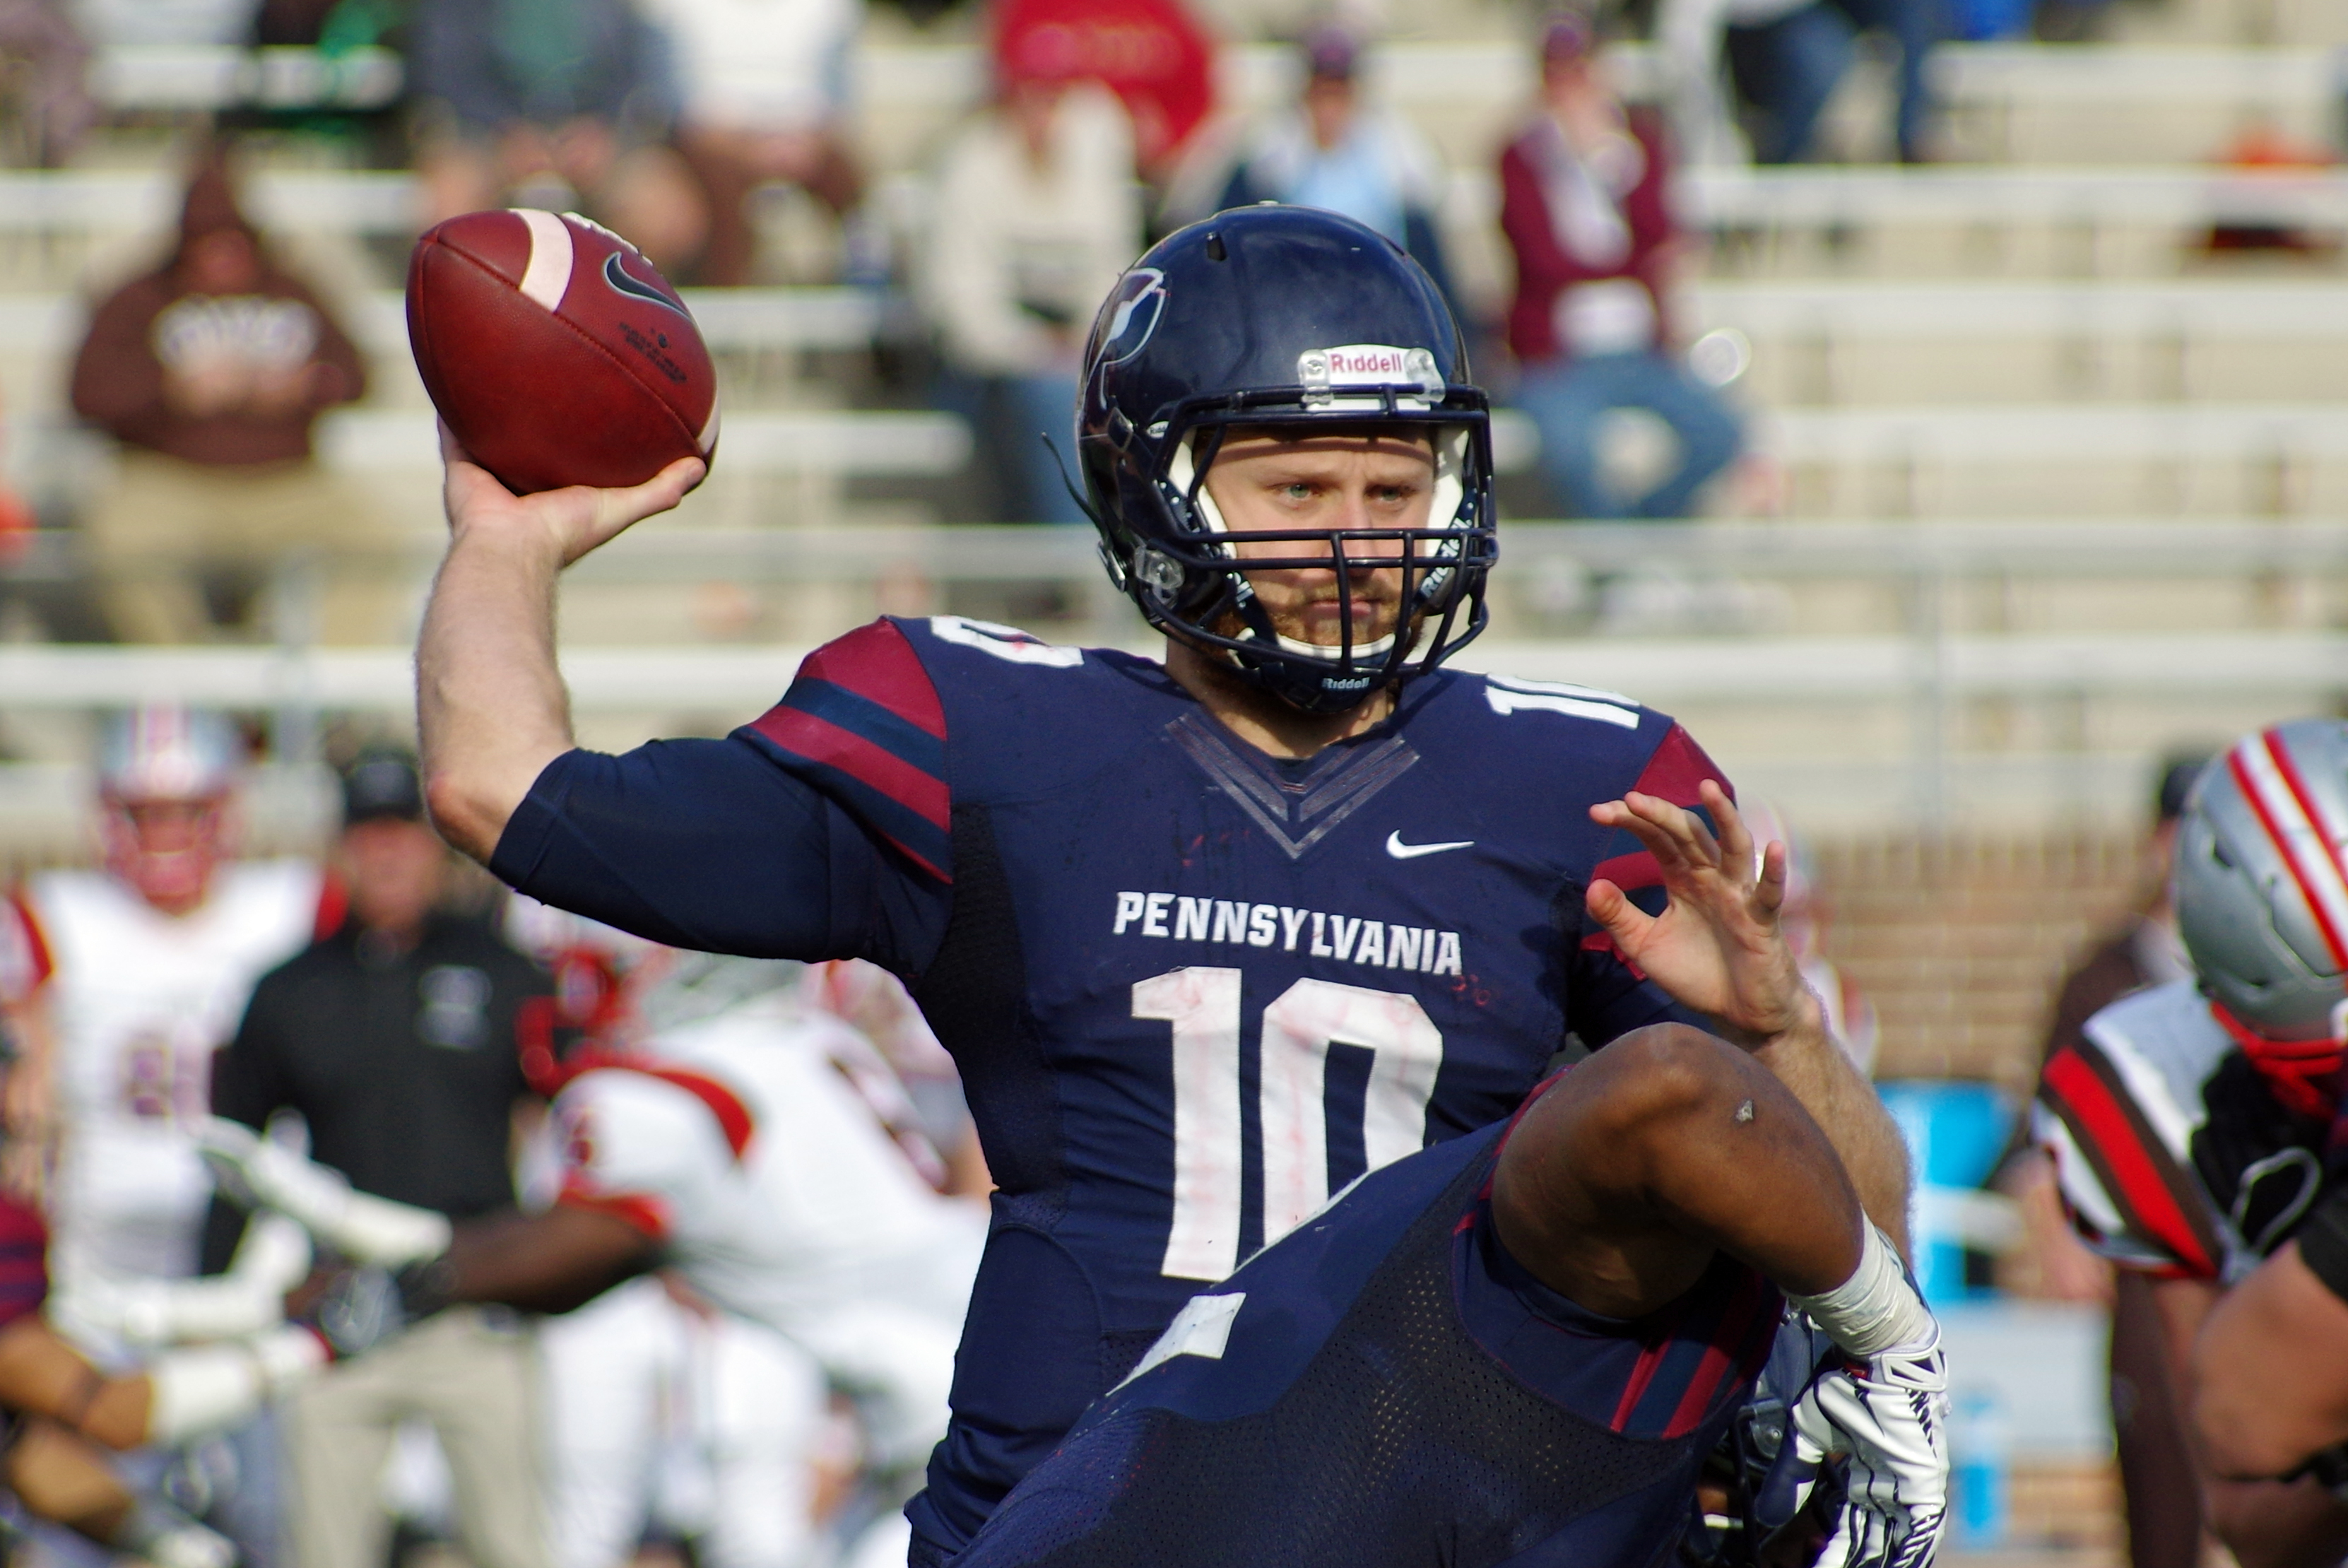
{"points": [[1874, 1310]]}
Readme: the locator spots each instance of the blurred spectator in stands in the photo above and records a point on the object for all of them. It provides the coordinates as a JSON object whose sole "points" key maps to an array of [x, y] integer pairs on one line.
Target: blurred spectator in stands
{"points": [[562, 104], [1785, 58], [394, 1039], [1333, 151], [2263, 148], [1152, 53], [1583, 202], [212, 370], [44, 81], [2158, 1473], [763, 95], [1037, 214]]}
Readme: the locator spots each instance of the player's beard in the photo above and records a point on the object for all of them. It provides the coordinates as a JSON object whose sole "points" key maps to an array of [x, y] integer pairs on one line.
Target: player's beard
{"points": [[1294, 623]]}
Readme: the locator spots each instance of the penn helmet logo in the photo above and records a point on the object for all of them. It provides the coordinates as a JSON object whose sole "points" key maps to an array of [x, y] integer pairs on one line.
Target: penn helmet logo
{"points": [[1133, 310], [619, 278]]}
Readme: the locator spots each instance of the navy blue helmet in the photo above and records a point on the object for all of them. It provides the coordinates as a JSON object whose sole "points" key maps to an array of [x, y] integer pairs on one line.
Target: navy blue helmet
{"points": [[1283, 316]]}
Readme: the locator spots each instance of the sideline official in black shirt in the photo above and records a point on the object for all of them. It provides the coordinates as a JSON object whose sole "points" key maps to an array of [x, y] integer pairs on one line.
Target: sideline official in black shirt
{"points": [[394, 1039]]}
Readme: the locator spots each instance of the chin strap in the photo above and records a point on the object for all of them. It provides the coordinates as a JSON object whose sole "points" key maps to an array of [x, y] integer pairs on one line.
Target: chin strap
{"points": [[2304, 1074]]}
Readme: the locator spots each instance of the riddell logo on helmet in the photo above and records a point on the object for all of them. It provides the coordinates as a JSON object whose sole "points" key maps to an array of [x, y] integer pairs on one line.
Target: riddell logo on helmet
{"points": [[1367, 365]]}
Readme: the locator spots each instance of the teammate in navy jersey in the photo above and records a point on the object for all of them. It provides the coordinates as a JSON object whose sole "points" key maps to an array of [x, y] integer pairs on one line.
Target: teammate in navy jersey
{"points": [[1207, 938], [1517, 1346]]}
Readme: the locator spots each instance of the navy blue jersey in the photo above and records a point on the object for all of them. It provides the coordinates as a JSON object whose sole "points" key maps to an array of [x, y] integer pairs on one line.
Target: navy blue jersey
{"points": [[1192, 990], [1388, 1386]]}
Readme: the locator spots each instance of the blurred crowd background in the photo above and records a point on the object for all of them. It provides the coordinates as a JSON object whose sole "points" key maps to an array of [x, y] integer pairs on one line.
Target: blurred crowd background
{"points": [[1934, 402]]}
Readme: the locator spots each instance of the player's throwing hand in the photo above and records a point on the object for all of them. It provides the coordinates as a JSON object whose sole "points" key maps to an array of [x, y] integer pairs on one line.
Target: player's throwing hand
{"points": [[1717, 946], [572, 521]]}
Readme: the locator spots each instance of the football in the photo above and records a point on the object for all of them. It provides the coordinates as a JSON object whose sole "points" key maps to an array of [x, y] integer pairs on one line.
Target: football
{"points": [[555, 354]]}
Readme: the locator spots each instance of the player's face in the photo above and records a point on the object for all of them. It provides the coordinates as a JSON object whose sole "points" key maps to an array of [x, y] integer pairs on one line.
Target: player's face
{"points": [[1365, 479], [166, 849]]}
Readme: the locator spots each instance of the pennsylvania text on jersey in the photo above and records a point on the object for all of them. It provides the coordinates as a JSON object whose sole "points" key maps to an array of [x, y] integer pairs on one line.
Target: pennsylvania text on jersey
{"points": [[1340, 936]]}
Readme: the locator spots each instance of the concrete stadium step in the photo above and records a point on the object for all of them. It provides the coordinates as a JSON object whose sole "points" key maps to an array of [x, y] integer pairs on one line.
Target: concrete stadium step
{"points": [[1882, 342]]}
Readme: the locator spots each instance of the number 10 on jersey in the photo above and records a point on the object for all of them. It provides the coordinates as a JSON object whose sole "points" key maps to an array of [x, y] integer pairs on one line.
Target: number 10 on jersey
{"points": [[1295, 1032]]}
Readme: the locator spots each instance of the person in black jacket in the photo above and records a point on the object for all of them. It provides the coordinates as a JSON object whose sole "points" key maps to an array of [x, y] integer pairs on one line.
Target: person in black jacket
{"points": [[393, 1038]]}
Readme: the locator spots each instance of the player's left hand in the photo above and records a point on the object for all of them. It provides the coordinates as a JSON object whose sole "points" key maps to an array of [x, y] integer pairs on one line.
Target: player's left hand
{"points": [[1888, 1416], [1716, 947]]}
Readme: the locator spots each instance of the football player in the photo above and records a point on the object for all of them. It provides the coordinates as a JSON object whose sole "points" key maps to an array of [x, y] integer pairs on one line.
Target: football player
{"points": [[1208, 938], [121, 982], [1518, 1347], [2189, 1126], [727, 1147]]}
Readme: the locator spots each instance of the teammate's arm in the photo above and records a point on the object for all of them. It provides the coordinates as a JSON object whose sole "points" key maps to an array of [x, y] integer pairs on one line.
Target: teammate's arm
{"points": [[2271, 1367], [1717, 948], [490, 704], [552, 1261]]}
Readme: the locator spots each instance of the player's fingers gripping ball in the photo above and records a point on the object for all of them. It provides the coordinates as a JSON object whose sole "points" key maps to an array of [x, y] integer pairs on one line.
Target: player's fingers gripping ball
{"points": [[554, 351]]}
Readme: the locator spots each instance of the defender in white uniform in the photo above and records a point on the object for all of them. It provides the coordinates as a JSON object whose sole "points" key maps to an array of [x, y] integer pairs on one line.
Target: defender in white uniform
{"points": [[729, 1148], [124, 981]]}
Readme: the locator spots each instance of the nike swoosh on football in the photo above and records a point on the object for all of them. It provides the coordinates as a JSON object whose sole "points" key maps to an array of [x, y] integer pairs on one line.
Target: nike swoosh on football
{"points": [[1401, 852]]}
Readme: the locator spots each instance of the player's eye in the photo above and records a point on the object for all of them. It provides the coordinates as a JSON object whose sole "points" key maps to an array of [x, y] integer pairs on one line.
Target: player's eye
{"points": [[1297, 490]]}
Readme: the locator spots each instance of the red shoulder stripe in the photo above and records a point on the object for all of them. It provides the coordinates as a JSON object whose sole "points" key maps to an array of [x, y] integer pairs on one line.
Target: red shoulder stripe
{"points": [[877, 663], [2135, 1170], [1676, 766], [732, 1115], [333, 905], [43, 962], [649, 1215]]}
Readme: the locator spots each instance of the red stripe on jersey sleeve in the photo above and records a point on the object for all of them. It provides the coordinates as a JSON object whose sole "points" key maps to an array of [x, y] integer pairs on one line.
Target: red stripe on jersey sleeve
{"points": [[333, 905], [1676, 766], [822, 741], [2110, 1138], [734, 1118], [1642, 1374], [1729, 1349], [25, 960], [877, 663], [646, 1213]]}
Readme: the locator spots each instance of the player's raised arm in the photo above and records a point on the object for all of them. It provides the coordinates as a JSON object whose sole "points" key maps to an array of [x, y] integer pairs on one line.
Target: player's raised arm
{"points": [[490, 705], [1717, 948]]}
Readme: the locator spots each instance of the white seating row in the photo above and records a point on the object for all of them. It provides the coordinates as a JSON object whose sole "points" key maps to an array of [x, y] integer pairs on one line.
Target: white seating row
{"points": [[744, 679], [897, 76]]}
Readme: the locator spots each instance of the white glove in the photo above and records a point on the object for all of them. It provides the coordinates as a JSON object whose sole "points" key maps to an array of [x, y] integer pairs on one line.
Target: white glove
{"points": [[274, 1257], [362, 1227], [1889, 1414]]}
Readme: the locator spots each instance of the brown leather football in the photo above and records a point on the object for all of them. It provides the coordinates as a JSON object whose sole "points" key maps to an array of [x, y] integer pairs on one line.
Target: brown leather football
{"points": [[554, 351]]}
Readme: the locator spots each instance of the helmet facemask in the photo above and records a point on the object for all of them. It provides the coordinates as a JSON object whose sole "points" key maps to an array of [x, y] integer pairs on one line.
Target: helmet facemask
{"points": [[1191, 581]]}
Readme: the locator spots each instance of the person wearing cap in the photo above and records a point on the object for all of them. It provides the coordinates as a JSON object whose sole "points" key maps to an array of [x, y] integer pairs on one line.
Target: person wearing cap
{"points": [[212, 372], [1585, 204], [393, 1040], [2158, 1478], [1333, 151]]}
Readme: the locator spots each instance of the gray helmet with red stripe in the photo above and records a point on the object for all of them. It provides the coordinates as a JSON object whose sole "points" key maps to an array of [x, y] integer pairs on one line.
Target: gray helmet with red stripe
{"points": [[2261, 880]]}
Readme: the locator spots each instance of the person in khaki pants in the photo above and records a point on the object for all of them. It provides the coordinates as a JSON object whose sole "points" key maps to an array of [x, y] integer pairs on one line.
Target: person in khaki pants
{"points": [[470, 1371], [211, 371], [394, 1037]]}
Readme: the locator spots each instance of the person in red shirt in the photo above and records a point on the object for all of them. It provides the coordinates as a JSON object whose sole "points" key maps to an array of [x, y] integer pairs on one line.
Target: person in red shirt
{"points": [[1583, 202]]}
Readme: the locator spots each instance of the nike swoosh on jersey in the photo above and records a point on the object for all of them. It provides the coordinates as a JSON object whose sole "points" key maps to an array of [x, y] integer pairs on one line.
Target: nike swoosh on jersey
{"points": [[1401, 852]]}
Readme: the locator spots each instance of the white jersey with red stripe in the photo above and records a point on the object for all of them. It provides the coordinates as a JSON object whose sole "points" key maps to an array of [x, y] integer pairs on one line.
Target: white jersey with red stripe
{"points": [[2173, 1156], [136, 1001], [737, 1143]]}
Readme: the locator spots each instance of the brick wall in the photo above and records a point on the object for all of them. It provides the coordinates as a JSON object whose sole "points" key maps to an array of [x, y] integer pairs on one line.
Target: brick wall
{"points": [[1961, 944]]}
